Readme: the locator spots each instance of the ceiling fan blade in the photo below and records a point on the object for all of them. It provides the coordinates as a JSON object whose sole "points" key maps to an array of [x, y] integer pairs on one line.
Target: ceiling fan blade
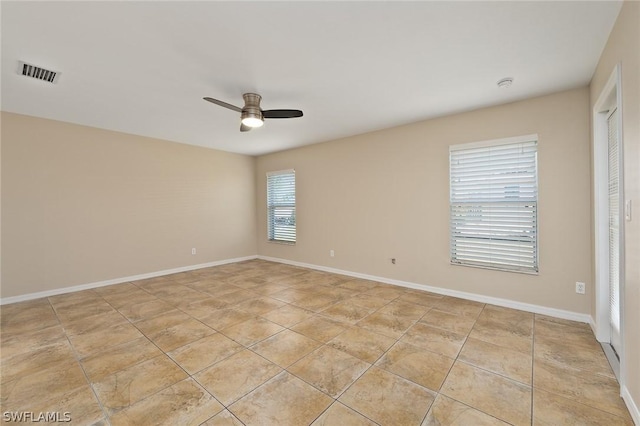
{"points": [[223, 104], [282, 113], [244, 128]]}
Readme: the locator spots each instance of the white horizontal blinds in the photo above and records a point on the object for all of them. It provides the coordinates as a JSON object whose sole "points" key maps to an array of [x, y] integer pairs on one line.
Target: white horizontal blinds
{"points": [[493, 202], [614, 225], [281, 206]]}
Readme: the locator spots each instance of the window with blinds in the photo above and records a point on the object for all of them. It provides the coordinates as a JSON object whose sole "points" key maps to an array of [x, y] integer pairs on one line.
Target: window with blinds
{"points": [[281, 206], [494, 203]]}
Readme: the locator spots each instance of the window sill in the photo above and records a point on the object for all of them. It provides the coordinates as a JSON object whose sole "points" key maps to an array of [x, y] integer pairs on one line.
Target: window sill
{"points": [[495, 269], [285, 243]]}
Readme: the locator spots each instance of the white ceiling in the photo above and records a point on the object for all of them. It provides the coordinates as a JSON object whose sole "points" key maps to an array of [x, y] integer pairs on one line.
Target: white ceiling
{"points": [[352, 67]]}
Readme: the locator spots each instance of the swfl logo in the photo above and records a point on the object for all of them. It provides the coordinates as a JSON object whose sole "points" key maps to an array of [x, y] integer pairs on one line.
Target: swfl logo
{"points": [[30, 416]]}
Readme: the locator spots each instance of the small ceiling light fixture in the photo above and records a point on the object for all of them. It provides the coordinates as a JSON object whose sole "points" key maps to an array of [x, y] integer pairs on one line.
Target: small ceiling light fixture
{"points": [[251, 119], [505, 83]]}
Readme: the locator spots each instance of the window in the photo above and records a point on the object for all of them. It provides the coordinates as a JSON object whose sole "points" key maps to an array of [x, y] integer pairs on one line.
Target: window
{"points": [[281, 206], [494, 203]]}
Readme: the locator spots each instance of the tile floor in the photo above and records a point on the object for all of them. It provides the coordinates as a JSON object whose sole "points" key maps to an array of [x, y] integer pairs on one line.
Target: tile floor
{"points": [[260, 343]]}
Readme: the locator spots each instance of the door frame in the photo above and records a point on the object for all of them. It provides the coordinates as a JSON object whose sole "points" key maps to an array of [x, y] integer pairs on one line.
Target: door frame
{"points": [[610, 97]]}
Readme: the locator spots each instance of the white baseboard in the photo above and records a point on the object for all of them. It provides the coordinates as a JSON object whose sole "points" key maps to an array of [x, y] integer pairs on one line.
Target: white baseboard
{"points": [[558, 313], [631, 405], [537, 309], [54, 292]]}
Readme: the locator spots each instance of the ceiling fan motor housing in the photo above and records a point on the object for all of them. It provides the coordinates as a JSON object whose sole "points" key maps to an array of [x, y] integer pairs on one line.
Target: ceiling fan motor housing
{"points": [[252, 106]]}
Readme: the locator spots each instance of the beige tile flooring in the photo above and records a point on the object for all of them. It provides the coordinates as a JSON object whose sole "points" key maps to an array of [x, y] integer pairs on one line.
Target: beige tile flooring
{"points": [[261, 343]]}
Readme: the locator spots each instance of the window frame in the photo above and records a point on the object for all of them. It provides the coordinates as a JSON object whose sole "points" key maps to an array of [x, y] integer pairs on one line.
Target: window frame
{"points": [[272, 229], [455, 237]]}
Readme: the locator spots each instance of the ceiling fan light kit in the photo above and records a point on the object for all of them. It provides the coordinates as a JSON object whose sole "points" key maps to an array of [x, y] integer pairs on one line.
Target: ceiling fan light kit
{"points": [[251, 115], [250, 119]]}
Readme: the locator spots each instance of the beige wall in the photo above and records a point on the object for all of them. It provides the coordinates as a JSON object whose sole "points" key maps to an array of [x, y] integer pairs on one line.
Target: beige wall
{"points": [[81, 205], [385, 194], [623, 48]]}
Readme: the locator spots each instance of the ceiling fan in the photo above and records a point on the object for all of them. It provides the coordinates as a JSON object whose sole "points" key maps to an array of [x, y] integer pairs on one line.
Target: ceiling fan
{"points": [[251, 115]]}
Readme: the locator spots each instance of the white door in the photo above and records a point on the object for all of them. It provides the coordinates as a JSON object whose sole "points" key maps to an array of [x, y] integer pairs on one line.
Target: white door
{"points": [[614, 229]]}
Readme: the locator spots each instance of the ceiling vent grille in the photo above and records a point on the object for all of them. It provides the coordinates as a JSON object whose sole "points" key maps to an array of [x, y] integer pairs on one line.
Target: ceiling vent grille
{"points": [[39, 73]]}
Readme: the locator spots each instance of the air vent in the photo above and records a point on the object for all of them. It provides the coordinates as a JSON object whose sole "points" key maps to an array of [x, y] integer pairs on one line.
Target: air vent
{"points": [[37, 72]]}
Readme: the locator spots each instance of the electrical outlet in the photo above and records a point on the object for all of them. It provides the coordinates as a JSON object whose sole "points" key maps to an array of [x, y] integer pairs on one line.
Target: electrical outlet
{"points": [[193, 251], [331, 253], [580, 288]]}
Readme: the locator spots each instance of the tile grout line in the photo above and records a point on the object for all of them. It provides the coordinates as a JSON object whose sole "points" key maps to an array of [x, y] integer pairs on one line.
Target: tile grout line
{"points": [[315, 314], [78, 360], [483, 369], [378, 359], [145, 360], [189, 376], [141, 361], [444, 380], [225, 407], [394, 344], [192, 376], [336, 399]]}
